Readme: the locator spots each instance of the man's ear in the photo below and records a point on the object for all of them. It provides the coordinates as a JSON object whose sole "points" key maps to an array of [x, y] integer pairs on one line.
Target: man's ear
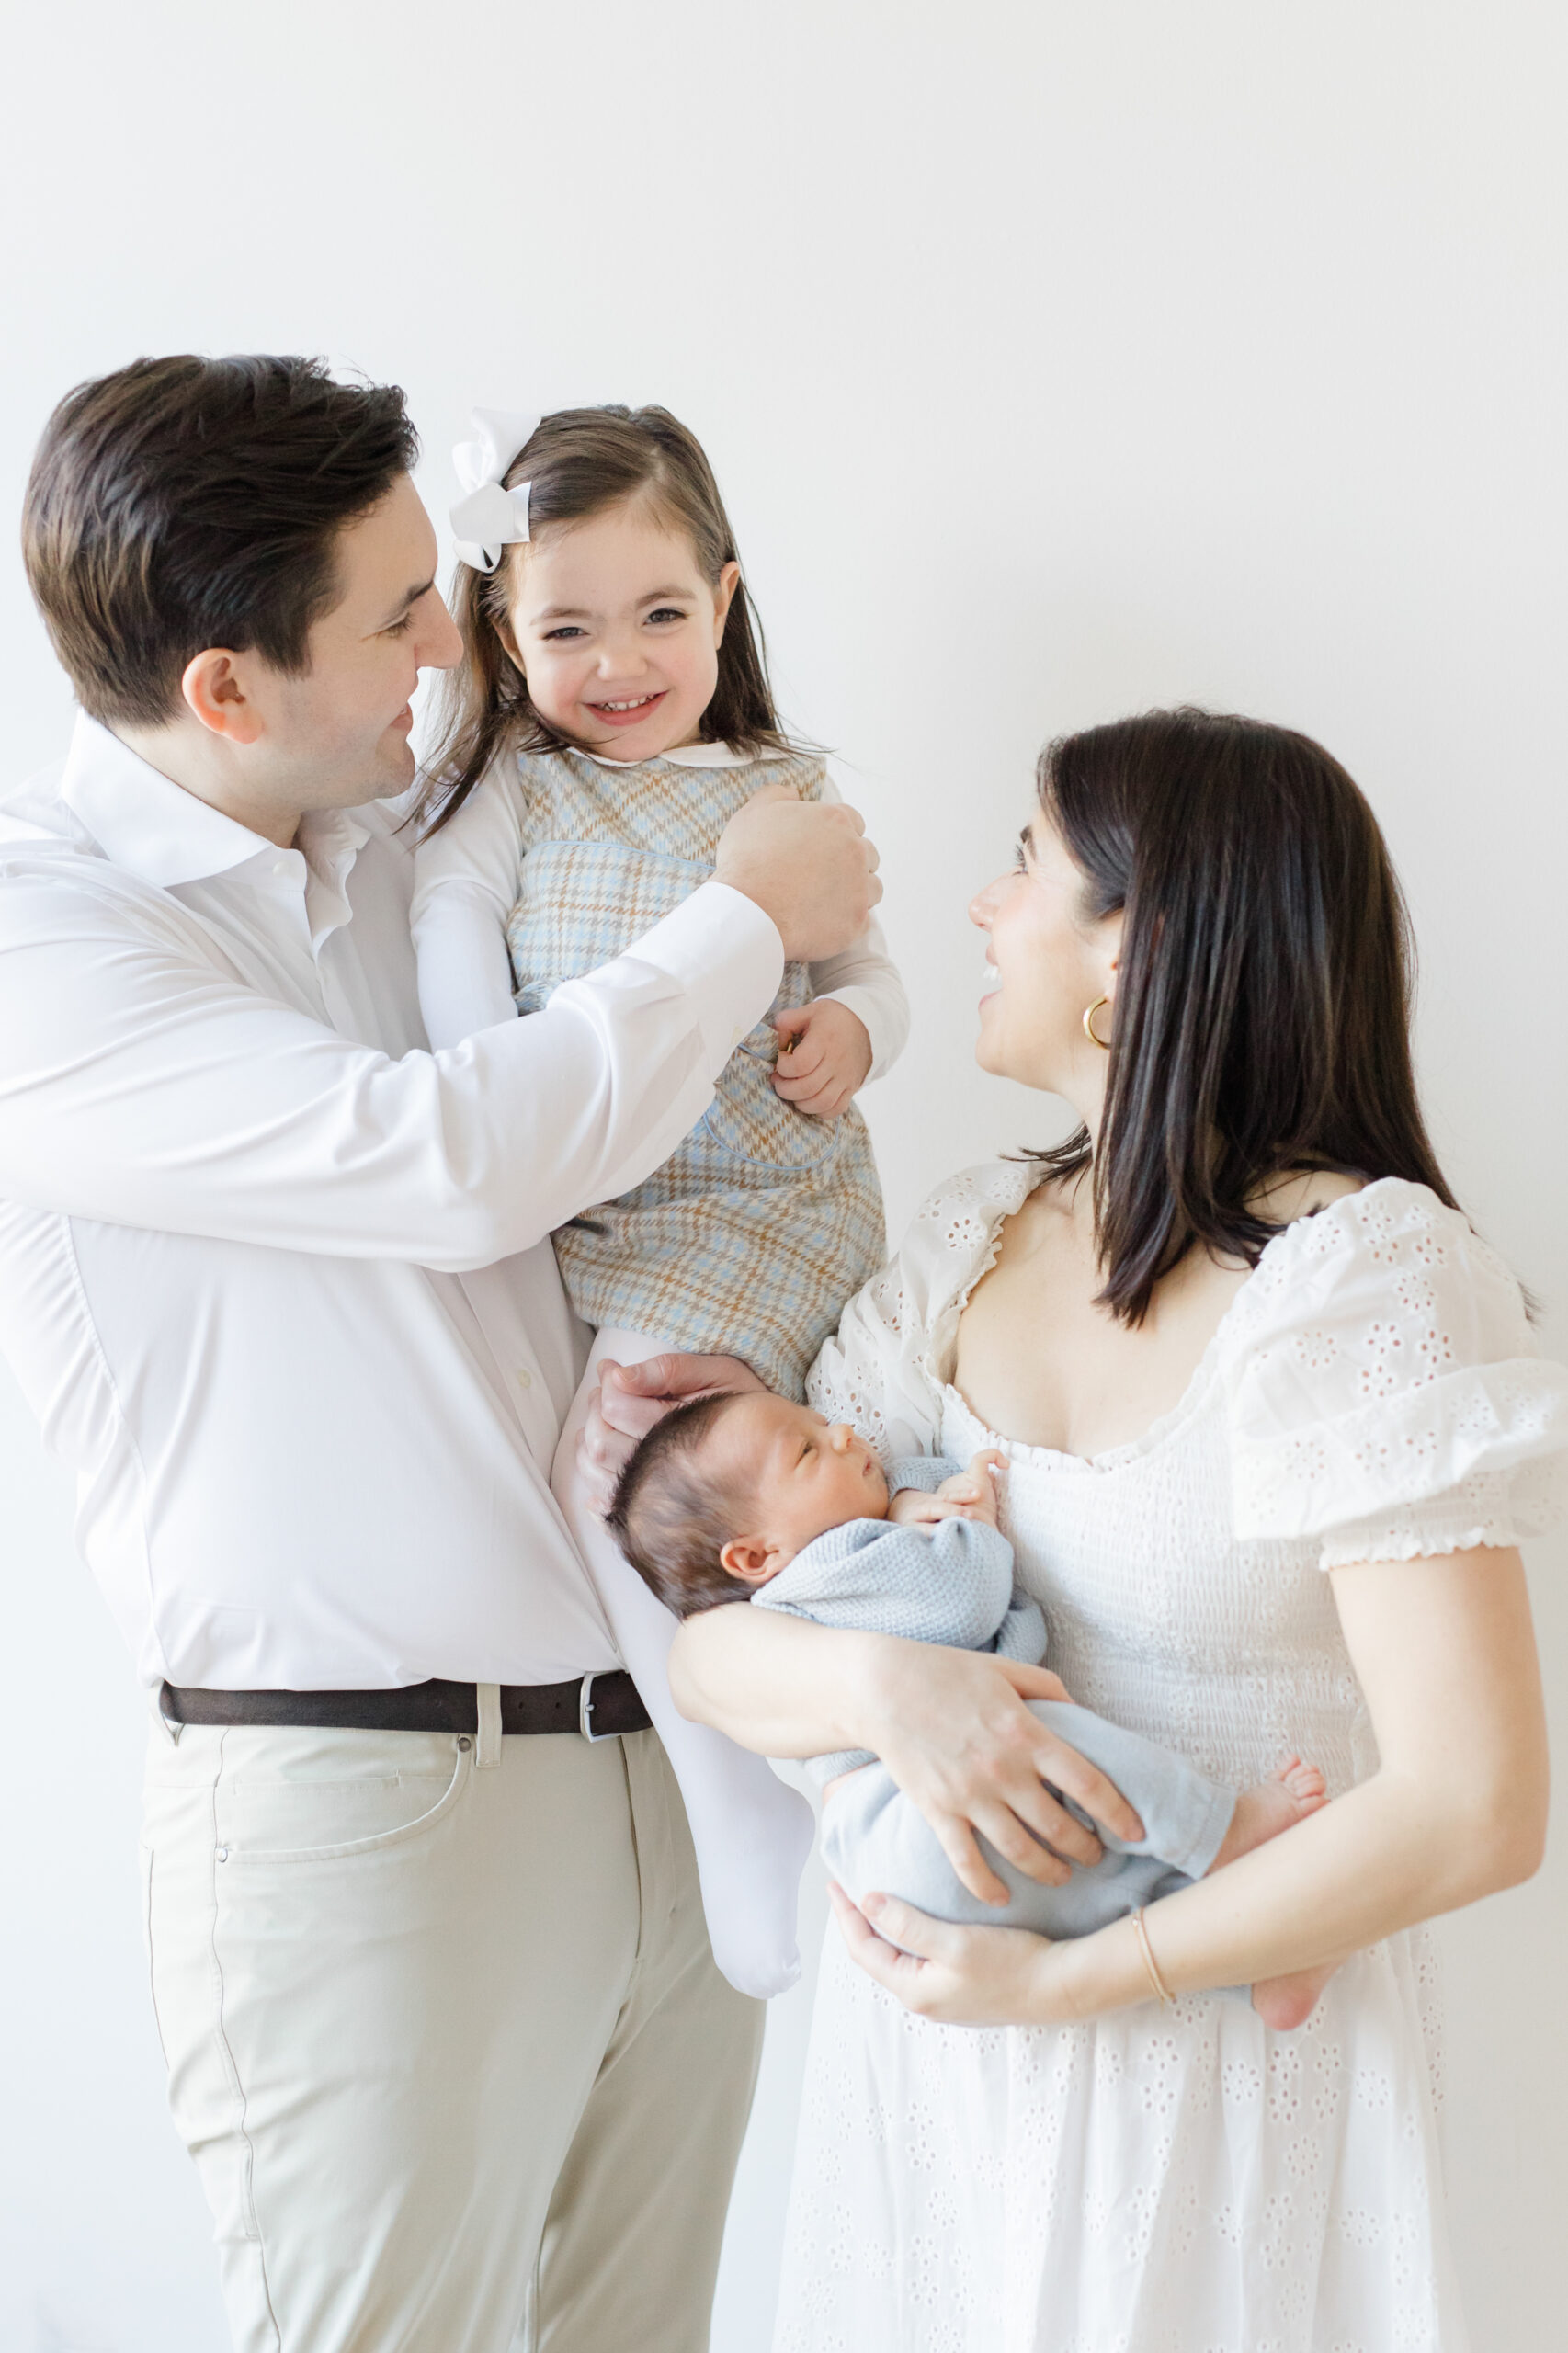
{"points": [[746, 1557], [214, 695]]}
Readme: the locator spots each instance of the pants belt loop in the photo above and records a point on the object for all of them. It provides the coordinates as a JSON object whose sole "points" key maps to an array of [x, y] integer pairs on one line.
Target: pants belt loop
{"points": [[489, 1724], [170, 1730]]}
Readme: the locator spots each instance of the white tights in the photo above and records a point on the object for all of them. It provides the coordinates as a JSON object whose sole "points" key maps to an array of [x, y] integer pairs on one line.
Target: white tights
{"points": [[752, 1832]]}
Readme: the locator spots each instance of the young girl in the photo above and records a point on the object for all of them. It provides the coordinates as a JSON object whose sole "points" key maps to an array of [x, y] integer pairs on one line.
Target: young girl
{"points": [[612, 713]]}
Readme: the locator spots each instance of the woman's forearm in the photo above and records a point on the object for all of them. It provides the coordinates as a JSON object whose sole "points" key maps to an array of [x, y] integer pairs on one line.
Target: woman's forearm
{"points": [[1388, 1854], [1446, 1659], [776, 1684]]}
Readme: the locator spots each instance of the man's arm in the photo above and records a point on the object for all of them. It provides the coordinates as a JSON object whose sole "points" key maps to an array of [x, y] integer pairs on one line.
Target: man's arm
{"points": [[140, 1086]]}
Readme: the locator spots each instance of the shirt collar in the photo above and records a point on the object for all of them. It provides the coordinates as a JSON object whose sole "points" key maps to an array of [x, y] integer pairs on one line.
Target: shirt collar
{"points": [[144, 822]]}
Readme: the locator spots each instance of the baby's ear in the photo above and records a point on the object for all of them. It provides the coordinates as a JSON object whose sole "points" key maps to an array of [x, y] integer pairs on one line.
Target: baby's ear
{"points": [[745, 1557]]}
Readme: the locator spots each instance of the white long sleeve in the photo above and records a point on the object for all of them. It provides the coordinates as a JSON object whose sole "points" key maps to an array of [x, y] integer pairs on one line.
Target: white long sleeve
{"points": [[142, 1086], [466, 886]]}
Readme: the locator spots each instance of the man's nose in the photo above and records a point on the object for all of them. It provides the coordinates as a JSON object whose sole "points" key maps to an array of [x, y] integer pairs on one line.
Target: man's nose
{"points": [[443, 645]]}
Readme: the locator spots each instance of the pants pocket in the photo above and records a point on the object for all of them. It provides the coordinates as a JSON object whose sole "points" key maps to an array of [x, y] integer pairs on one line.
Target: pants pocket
{"points": [[269, 1818]]}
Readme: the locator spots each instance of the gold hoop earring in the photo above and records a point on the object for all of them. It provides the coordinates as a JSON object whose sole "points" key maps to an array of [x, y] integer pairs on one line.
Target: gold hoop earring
{"points": [[1089, 1031]]}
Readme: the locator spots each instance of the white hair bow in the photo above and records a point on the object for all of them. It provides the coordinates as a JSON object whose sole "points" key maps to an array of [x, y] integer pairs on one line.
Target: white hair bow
{"points": [[491, 517]]}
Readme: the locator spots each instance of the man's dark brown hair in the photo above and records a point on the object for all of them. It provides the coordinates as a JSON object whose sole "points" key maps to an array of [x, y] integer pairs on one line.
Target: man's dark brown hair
{"points": [[183, 502], [671, 1517]]}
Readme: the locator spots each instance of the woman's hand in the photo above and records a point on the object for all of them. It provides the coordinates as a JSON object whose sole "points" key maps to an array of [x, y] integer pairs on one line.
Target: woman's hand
{"points": [[824, 1057], [952, 1728], [960, 1976]]}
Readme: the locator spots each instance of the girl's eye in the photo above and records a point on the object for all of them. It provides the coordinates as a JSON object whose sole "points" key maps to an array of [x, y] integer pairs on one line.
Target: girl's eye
{"points": [[569, 629], [400, 627], [667, 613], [1021, 864]]}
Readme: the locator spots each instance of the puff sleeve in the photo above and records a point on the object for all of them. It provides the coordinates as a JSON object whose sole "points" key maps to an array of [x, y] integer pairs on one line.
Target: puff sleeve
{"points": [[1386, 1395], [884, 1370]]}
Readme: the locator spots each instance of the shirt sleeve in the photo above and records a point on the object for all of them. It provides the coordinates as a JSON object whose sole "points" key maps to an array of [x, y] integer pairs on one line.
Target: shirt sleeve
{"points": [[884, 1370], [140, 1085], [1386, 1397], [865, 978], [465, 886]]}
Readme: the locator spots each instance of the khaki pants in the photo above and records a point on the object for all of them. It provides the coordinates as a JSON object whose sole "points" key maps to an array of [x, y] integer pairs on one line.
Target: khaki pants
{"points": [[445, 2037]]}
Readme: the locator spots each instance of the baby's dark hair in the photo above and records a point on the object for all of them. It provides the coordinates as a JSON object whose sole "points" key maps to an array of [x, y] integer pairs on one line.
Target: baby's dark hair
{"points": [[670, 1516]]}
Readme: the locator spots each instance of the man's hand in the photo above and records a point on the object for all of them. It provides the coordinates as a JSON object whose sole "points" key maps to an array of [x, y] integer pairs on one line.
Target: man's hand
{"points": [[824, 1054], [807, 864], [968, 1495], [632, 1397]]}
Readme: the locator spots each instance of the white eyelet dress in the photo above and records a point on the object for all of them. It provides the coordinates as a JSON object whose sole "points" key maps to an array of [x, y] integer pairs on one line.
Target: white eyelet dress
{"points": [[1182, 2180]]}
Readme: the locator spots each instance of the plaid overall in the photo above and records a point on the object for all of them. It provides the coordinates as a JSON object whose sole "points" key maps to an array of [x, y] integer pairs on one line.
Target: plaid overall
{"points": [[750, 1238]]}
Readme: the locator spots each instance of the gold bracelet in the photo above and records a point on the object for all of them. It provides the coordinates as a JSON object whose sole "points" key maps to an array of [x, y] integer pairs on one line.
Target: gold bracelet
{"points": [[1155, 1980]]}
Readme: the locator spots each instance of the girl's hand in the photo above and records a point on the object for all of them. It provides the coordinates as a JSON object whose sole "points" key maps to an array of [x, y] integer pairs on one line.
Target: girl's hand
{"points": [[825, 1056], [960, 1976]]}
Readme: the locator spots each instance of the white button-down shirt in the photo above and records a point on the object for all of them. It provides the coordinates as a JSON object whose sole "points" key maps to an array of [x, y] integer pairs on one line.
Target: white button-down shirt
{"points": [[275, 1279]]}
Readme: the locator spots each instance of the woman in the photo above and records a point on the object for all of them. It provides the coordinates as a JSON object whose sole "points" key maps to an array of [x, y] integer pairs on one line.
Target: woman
{"points": [[1235, 1336]]}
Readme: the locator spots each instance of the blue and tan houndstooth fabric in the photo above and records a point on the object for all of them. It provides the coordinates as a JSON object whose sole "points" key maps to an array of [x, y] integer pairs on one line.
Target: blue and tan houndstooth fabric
{"points": [[763, 1222]]}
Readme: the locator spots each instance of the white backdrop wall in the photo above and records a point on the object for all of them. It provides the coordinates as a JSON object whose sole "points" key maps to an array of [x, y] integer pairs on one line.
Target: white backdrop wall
{"points": [[1056, 361]]}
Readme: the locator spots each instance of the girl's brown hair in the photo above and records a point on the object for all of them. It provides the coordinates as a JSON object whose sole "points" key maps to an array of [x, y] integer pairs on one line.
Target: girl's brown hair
{"points": [[1263, 1015], [577, 463]]}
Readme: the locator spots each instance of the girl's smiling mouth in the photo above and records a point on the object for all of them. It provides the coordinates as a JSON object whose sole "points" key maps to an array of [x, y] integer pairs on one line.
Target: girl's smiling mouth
{"points": [[627, 712]]}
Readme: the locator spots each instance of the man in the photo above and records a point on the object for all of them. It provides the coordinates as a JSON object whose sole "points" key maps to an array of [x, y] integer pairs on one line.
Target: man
{"points": [[443, 2031]]}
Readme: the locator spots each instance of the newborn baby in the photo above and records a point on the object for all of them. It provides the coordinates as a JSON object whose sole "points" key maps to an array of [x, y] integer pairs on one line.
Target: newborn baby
{"points": [[750, 1493]]}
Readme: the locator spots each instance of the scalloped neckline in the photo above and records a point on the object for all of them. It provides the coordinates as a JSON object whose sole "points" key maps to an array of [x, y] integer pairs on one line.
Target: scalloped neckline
{"points": [[1114, 1458]]}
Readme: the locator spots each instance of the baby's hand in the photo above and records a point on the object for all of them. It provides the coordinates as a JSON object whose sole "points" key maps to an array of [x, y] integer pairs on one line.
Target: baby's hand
{"points": [[968, 1495], [974, 1489], [824, 1054]]}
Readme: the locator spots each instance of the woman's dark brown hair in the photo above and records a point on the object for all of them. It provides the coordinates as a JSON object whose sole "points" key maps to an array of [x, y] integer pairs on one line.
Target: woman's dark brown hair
{"points": [[1262, 1019], [183, 502], [577, 463]]}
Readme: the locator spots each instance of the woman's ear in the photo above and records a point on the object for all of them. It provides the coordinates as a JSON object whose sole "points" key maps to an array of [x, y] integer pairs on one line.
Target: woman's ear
{"points": [[1108, 945], [746, 1557], [729, 580]]}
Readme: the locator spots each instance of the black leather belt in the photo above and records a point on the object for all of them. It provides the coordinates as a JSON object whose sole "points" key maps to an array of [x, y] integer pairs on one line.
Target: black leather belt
{"points": [[599, 1707]]}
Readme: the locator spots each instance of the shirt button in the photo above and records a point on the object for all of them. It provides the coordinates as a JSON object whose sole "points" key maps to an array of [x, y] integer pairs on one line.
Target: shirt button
{"points": [[281, 867], [223, 1854], [525, 1380]]}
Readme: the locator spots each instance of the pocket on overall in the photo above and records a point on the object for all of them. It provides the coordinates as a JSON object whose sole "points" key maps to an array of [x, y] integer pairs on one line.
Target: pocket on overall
{"points": [[580, 904]]}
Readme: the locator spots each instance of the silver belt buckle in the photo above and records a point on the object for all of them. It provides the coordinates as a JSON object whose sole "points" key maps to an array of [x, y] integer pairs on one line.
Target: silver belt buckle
{"points": [[585, 1709]]}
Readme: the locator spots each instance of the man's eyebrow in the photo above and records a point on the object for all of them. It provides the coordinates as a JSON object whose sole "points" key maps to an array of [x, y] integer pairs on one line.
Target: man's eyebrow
{"points": [[411, 597]]}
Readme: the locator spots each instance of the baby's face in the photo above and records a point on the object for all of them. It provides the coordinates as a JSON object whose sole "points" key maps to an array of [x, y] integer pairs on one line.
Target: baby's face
{"points": [[802, 1476]]}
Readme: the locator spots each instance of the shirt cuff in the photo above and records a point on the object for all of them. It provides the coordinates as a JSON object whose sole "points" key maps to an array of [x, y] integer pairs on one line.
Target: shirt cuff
{"points": [[727, 956]]}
